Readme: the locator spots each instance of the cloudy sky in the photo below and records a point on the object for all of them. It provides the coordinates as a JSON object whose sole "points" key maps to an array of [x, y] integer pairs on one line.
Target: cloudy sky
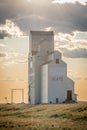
{"points": [[68, 20]]}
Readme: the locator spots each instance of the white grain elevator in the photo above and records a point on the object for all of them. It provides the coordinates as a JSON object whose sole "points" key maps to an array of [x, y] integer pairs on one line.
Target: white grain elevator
{"points": [[47, 75]]}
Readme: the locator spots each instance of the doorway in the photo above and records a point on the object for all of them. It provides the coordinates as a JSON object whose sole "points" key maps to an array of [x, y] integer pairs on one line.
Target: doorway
{"points": [[69, 95], [56, 100]]}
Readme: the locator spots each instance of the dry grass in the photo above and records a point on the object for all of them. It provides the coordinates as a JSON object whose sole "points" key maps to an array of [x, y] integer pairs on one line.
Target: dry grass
{"points": [[43, 117]]}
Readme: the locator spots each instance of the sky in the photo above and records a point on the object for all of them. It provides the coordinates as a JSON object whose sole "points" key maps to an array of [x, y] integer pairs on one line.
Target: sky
{"points": [[68, 20]]}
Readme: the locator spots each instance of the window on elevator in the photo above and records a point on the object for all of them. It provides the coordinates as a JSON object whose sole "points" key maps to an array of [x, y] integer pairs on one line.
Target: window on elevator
{"points": [[57, 61]]}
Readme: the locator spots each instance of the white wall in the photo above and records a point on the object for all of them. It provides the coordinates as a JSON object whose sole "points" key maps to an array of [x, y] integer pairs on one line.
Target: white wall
{"points": [[56, 87], [58, 82], [44, 84]]}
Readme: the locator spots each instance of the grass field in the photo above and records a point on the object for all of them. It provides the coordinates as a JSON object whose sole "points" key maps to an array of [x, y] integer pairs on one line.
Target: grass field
{"points": [[43, 117]]}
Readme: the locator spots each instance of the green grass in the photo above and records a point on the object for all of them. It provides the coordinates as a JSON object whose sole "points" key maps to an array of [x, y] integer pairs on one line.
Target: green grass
{"points": [[9, 109], [44, 117], [73, 114], [80, 109]]}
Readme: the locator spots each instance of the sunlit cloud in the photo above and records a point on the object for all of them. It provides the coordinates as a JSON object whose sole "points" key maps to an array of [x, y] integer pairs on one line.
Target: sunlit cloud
{"points": [[49, 29], [9, 79], [83, 2], [10, 29], [72, 46], [63, 37], [75, 75], [10, 58], [78, 35], [79, 78], [2, 45]]}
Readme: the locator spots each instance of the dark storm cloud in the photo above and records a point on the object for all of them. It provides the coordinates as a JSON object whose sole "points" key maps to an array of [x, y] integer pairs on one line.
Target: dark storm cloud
{"points": [[41, 14], [76, 53], [10, 9]]}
